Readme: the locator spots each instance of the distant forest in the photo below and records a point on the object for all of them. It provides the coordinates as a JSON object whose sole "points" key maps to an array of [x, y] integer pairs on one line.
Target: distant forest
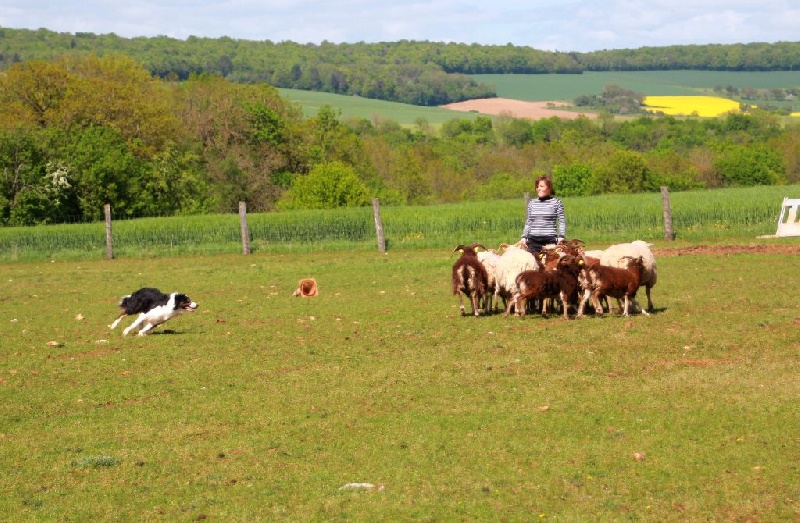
{"points": [[413, 72]]}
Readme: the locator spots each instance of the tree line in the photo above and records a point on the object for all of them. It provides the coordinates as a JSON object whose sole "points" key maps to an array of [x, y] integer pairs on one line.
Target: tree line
{"points": [[413, 72], [83, 130]]}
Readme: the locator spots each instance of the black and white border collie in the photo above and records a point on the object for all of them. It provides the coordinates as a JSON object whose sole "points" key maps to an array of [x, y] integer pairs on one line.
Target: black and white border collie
{"points": [[153, 307]]}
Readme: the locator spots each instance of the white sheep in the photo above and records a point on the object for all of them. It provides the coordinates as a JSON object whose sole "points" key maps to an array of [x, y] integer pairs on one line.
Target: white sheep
{"points": [[490, 259], [596, 254], [513, 261], [616, 256]]}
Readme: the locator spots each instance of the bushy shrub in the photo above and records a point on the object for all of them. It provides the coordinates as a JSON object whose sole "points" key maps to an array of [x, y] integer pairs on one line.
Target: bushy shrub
{"points": [[625, 172], [572, 179], [751, 165], [327, 186]]}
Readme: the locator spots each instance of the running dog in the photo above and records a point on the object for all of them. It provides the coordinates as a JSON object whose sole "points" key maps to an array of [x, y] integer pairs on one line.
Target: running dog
{"points": [[153, 307]]}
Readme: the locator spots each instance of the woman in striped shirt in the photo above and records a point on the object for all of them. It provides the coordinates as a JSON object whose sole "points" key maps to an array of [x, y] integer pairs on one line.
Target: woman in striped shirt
{"points": [[545, 223]]}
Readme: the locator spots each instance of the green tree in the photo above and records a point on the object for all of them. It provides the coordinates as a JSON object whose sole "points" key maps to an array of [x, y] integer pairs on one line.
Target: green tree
{"points": [[106, 171], [624, 172], [477, 131], [750, 165], [32, 92], [177, 184], [514, 132], [503, 186], [33, 189], [573, 179], [327, 186], [325, 128]]}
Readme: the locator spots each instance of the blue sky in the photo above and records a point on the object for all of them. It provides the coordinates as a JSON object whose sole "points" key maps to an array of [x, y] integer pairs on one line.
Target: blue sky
{"points": [[568, 25]]}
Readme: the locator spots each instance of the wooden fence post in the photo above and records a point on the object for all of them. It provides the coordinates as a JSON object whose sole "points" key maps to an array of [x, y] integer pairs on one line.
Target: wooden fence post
{"points": [[245, 231], [109, 238], [668, 233], [376, 212]]}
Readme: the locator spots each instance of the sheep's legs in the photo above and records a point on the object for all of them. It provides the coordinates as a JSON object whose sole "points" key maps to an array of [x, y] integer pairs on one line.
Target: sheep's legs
{"points": [[597, 303], [475, 308], [520, 309], [487, 302], [635, 306], [512, 301], [649, 301], [564, 298], [473, 298], [586, 295]]}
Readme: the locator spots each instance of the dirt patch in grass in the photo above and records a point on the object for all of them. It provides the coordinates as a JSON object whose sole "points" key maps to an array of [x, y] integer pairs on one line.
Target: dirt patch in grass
{"points": [[728, 249], [516, 108]]}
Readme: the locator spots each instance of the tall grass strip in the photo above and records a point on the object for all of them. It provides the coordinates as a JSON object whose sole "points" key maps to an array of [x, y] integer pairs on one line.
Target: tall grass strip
{"points": [[696, 215]]}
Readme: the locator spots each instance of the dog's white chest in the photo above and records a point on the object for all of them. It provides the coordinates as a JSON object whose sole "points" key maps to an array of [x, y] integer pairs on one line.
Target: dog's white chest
{"points": [[161, 314]]}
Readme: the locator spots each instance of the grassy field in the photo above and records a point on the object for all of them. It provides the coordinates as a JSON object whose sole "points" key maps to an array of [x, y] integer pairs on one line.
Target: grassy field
{"points": [[264, 407], [546, 87], [714, 215], [553, 87], [356, 107]]}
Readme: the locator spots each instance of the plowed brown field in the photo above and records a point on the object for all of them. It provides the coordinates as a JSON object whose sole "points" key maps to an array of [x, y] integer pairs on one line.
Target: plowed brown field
{"points": [[516, 108]]}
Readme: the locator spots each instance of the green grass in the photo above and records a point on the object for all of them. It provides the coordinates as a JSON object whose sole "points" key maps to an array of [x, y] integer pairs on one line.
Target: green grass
{"points": [[261, 406], [357, 107], [714, 215]]}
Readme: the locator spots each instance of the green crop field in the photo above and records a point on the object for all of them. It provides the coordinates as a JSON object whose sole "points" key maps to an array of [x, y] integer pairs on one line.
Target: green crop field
{"points": [[713, 215], [546, 87], [356, 107]]}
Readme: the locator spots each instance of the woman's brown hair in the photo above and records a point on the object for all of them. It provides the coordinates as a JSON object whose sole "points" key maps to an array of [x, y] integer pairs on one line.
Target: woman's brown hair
{"points": [[548, 182]]}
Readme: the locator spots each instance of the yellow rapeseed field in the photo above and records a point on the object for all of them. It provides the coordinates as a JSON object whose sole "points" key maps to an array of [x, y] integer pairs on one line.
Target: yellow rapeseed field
{"points": [[709, 106]]}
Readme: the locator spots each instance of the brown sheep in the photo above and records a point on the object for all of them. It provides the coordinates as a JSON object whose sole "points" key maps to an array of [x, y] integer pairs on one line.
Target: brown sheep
{"points": [[599, 281], [560, 283], [614, 256], [470, 279]]}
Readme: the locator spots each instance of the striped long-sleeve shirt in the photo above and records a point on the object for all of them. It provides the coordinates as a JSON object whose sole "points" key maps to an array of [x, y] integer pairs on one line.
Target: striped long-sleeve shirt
{"points": [[545, 218]]}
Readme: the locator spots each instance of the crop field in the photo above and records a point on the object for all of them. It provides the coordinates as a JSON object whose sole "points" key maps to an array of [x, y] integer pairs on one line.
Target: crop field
{"points": [[377, 401], [705, 106], [546, 87], [713, 215], [372, 110], [554, 87]]}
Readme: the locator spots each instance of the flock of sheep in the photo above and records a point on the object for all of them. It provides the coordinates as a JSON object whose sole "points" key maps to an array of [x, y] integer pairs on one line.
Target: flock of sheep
{"points": [[564, 272]]}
